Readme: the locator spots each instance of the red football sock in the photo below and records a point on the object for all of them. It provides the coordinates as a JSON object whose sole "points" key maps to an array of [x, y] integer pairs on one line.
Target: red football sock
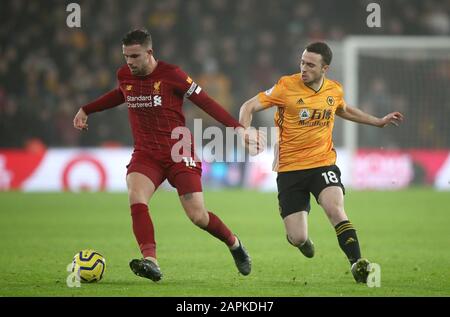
{"points": [[219, 230], [143, 230]]}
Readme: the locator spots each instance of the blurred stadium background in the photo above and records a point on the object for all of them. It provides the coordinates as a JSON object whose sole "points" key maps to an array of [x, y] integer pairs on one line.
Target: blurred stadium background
{"points": [[233, 49], [48, 70]]}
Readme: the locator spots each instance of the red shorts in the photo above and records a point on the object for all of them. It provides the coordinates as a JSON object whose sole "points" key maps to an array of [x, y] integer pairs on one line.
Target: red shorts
{"points": [[185, 176]]}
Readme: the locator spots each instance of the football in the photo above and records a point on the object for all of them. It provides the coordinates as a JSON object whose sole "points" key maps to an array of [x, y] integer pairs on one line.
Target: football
{"points": [[89, 265]]}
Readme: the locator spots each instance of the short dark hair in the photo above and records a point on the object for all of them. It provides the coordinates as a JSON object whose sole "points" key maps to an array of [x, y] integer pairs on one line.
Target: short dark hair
{"points": [[323, 49], [138, 36]]}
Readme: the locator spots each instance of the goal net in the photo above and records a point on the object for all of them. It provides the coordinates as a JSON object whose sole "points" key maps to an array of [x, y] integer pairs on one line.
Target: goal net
{"points": [[406, 74]]}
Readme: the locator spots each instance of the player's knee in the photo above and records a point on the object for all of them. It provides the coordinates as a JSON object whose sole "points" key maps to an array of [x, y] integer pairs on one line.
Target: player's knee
{"points": [[336, 214], [297, 239], [335, 210], [198, 218], [137, 196]]}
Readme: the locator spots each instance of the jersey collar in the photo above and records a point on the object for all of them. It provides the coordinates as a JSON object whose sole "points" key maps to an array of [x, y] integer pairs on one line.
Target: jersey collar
{"points": [[315, 91]]}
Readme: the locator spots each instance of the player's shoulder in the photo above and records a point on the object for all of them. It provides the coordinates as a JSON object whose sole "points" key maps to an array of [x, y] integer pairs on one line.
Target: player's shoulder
{"points": [[164, 66], [286, 82], [171, 70], [123, 71], [289, 80], [334, 84]]}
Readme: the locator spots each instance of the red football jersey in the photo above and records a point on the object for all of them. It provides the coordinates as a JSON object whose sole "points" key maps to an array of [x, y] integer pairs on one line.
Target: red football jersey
{"points": [[155, 105]]}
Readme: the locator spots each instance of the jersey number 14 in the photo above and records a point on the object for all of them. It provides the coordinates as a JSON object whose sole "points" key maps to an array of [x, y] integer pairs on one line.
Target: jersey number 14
{"points": [[189, 161]]}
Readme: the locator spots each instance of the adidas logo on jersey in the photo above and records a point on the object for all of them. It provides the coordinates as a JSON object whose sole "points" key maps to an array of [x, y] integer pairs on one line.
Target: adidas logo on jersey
{"points": [[300, 101]]}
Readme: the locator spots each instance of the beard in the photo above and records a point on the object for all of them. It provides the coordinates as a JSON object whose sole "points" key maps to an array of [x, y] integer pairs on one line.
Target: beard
{"points": [[136, 71]]}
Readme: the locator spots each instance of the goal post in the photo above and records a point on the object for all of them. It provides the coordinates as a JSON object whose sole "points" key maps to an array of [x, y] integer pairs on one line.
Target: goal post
{"points": [[410, 74]]}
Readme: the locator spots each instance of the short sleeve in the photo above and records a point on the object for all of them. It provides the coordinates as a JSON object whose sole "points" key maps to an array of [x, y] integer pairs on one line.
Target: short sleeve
{"points": [[274, 96], [341, 101], [342, 104]]}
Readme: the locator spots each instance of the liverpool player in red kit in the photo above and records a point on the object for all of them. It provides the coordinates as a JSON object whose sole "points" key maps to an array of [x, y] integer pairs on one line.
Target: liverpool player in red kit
{"points": [[154, 92]]}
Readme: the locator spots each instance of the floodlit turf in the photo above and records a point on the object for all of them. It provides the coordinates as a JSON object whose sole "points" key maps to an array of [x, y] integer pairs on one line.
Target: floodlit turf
{"points": [[406, 232]]}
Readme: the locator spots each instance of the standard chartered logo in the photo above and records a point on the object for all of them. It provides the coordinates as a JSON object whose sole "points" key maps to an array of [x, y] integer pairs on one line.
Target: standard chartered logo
{"points": [[144, 101], [157, 100], [139, 98]]}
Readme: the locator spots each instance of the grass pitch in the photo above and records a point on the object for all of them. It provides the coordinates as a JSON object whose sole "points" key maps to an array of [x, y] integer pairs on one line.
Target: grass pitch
{"points": [[406, 232]]}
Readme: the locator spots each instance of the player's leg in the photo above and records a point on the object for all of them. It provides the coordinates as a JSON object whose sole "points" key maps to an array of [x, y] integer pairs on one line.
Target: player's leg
{"points": [[186, 178], [140, 190], [329, 191], [189, 187], [294, 208], [195, 209], [142, 182], [332, 201], [296, 225], [193, 205]]}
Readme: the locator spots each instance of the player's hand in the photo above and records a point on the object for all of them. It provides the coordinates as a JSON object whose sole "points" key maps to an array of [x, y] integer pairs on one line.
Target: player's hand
{"points": [[80, 120], [254, 140], [394, 118]]}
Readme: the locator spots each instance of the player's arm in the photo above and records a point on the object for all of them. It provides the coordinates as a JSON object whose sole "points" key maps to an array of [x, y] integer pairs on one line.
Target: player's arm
{"points": [[274, 96], [359, 116], [248, 109], [254, 140], [264, 100], [211, 107], [109, 100], [185, 85]]}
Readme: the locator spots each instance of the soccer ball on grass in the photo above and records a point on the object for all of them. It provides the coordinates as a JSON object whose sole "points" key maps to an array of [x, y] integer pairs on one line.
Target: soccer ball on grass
{"points": [[90, 265]]}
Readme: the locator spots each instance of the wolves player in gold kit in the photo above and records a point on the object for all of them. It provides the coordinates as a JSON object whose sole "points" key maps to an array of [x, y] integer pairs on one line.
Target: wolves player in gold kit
{"points": [[305, 158]]}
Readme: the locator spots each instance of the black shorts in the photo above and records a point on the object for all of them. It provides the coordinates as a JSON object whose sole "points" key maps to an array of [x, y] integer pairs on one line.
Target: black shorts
{"points": [[294, 187]]}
